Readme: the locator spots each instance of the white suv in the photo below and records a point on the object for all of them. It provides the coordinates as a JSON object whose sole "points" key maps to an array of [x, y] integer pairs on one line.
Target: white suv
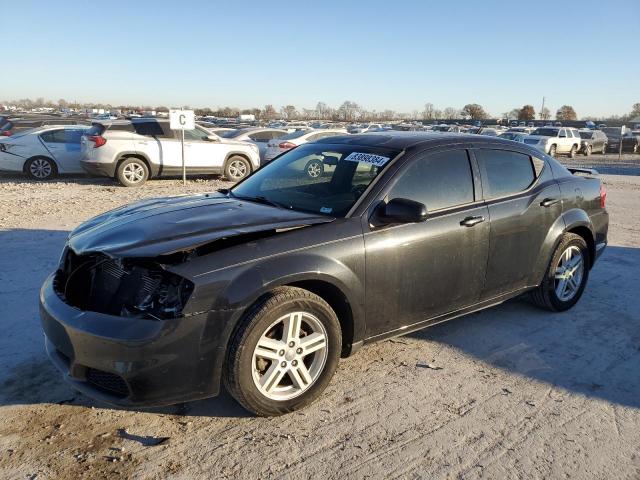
{"points": [[555, 140], [135, 150]]}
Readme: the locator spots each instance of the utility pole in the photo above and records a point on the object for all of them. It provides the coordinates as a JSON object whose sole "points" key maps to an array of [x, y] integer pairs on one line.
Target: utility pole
{"points": [[542, 110]]}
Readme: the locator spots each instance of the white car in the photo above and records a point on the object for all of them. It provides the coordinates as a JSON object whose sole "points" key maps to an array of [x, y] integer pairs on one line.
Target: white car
{"points": [[135, 150], [256, 135], [291, 140], [43, 152], [514, 136], [555, 140], [367, 127]]}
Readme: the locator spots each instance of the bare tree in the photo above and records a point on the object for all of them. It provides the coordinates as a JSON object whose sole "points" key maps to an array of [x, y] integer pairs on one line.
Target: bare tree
{"points": [[566, 112], [269, 112], [450, 113], [289, 112], [474, 111], [427, 113]]}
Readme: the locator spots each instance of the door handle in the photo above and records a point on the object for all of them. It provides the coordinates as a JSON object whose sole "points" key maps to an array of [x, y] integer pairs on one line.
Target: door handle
{"points": [[471, 221], [547, 202]]}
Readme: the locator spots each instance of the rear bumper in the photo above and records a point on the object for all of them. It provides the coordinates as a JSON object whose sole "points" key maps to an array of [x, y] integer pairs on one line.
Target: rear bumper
{"points": [[128, 361], [99, 169]]}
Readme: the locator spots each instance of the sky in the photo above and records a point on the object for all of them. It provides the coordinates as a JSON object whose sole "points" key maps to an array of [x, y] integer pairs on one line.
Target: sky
{"points": [[390, 54]]}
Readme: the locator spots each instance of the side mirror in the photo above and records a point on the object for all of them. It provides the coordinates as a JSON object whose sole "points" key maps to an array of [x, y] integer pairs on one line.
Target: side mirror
{"points": [[212, 138], [403, 210]]}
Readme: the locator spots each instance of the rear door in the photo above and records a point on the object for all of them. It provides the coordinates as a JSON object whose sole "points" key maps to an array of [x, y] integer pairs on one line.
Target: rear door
{"points": [[523, 201], [159, 144], [65, 147], [419, 271]]}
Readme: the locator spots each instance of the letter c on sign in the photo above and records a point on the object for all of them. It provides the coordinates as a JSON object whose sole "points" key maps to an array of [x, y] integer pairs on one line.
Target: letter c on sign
{"points": [[182, 120]]}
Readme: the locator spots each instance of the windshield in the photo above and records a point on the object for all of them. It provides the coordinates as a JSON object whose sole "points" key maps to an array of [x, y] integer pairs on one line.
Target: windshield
{"points": [[318, 178], [546, 132], [586, 135]]}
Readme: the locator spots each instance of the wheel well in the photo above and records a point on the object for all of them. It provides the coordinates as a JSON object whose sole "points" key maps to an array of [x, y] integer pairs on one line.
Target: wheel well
{"points": [[585, 233], [338, 302], [24, 167], [131, 155]]}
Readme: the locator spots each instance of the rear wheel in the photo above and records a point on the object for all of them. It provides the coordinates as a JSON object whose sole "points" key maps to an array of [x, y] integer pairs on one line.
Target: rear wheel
{"points": [[572, 152], [284, 353], [132, 172], [41, 168], [237, 168], [587, 150], [566, 276]]}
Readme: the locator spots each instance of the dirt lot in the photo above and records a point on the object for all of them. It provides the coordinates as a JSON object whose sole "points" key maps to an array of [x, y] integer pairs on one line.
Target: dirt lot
{"points": [[512, 392]]}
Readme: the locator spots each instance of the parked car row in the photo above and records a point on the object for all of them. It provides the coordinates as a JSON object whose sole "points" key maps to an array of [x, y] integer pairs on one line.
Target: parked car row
{"points": [[134, 150]]}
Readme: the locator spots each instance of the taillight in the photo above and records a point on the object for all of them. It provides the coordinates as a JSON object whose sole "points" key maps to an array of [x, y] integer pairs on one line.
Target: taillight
{"points": [[286, 145], [97, 140], [6, 133], [603, 196]]}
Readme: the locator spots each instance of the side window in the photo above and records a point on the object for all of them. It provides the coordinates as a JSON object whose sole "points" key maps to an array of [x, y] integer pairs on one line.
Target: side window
{"points": [[195, 134], [562, 133], [53, 136], [74, 135], [149, 129], [505, 172], [439, 180], [260, 136]]}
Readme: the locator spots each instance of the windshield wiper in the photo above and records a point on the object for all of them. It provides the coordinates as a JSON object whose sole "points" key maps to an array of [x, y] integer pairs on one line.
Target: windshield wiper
{"points": [[257, 199]]}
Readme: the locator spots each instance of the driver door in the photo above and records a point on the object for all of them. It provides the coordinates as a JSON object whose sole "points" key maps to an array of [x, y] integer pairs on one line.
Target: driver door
{"points": [[419, 271]]}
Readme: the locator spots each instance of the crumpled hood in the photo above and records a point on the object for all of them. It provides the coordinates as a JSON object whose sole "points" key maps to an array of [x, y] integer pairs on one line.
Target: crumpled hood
{"points": [[163, 226]]}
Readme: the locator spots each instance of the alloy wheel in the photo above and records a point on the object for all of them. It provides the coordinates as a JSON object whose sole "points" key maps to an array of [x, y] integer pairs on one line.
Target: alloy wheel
{"points": [[290, 356], [133, 172], [40, 168], [314, 170], [569, 273], [237, 169]]}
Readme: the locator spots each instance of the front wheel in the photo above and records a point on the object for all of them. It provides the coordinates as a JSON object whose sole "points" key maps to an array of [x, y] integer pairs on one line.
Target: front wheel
{"points": [[552, 151], [587, 150], [572, 152], [237, 168], [284, 352], [566, 276]]}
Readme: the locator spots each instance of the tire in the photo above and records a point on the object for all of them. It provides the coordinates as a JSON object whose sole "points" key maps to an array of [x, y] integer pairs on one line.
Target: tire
{"points": [[587, 150], [572, 152], [41, 168], [132, 172], [604, 149], [247, 372], [552, 151], [547, 295], [237, 168], [314, 168]]}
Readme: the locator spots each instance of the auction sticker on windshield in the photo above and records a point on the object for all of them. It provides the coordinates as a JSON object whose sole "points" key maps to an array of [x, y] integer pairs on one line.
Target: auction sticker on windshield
{"points": [[377, 160]]}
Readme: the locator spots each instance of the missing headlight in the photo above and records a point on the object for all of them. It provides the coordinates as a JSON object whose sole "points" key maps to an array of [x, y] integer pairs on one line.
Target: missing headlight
{"points": [[125, 287]]}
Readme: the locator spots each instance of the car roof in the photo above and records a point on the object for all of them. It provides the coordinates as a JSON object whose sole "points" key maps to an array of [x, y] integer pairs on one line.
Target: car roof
{"points": [[403, 140]]}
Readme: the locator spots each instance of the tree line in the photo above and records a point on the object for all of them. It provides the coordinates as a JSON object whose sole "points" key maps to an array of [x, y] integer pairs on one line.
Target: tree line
{"points": [[348, 111]]}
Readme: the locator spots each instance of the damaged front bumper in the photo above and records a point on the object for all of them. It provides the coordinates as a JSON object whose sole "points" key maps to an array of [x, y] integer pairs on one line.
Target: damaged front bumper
{"points": [[134, 361]]}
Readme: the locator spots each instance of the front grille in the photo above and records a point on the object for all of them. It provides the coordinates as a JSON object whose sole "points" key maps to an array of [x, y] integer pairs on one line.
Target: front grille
{"points": [[108, 382]]}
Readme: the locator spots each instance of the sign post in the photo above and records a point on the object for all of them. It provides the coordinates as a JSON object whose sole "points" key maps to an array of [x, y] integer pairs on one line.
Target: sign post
{"points": [[622, 132], [182, 120]]}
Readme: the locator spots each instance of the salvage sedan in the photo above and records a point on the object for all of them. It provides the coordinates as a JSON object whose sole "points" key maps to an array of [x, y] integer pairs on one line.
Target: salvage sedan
{"points": [[265, 286]]}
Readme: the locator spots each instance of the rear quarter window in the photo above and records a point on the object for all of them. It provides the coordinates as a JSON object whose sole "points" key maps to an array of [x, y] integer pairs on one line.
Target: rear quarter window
{"points": [[505, 172]]}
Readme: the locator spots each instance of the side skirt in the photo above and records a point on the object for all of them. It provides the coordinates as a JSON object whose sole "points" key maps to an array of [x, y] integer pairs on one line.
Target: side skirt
{"points": [[445, 317]]}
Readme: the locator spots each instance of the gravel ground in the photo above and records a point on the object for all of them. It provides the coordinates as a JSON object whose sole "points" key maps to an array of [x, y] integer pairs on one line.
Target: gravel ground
{"points": [[511, 392]]}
